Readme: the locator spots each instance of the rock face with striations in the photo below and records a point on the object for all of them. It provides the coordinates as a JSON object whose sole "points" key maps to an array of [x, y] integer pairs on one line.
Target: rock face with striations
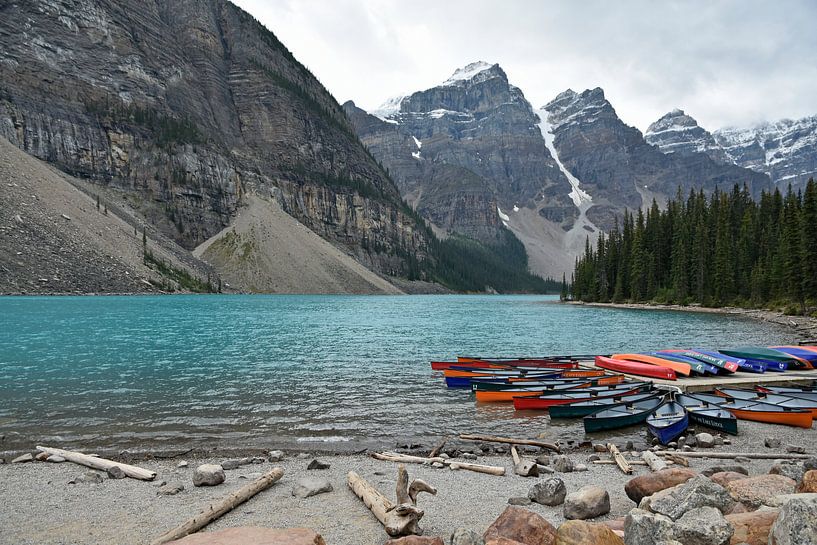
{"points": [[463, 148], [786, 150], [184, 107], [619, 169]]}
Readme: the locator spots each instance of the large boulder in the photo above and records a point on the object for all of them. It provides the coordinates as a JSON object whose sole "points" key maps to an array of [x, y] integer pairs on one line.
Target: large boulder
{"points": [[309, 486], [702, 526], [696, 492], [578, 532], [752, 528], [725, 477], [797, 522], [755, 491], [243, 535], [809, 484], [550, 491], [644, 528], [647, 485], [208, 475], [586, 503], [521, 525]]}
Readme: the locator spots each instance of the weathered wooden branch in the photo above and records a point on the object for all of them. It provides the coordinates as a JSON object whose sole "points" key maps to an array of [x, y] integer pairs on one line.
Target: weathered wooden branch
{"points": [[655, 462], [99, 463], [733, 455], [525, 468], [400, 518], [409, 459], [631, 462], [436, 450], [215, 510], [509, 441], [619, 459]]}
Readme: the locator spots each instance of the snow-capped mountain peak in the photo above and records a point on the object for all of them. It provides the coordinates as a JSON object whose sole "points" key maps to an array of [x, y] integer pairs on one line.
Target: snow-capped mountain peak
{"points": [[677, 132], [469, 72]]}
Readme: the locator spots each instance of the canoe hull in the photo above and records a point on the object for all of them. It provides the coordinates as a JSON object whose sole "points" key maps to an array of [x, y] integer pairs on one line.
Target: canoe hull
{"points": [[669, 433], [635, 368], [800, 419], [542, 403], [726, 425]]}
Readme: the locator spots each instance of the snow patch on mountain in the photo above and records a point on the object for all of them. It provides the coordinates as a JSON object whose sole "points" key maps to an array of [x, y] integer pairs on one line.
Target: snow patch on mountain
{"points": [[580, 198], [389, 108], [467, 72]]}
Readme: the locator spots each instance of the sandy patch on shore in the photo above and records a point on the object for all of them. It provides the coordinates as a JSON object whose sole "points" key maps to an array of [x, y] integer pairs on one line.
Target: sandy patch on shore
{"points": [[41, 508]]}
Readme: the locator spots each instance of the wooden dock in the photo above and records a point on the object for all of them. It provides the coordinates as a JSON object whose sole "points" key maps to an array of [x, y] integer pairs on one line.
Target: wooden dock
{"points": [[735, 380]]}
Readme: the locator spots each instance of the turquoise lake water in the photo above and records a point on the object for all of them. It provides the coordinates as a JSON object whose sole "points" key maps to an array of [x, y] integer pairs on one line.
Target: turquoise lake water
{"points": [[165, 371]]}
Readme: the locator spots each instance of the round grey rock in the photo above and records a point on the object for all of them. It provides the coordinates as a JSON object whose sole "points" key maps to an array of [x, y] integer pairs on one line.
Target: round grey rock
{"points": [[704, 440], [586, 503], [466, 536], [309, 486], [208, 475], [703, 526]]}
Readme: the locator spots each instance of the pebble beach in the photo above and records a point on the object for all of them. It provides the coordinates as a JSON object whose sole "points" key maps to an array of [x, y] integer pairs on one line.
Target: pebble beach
{"points": [[41, 506]]}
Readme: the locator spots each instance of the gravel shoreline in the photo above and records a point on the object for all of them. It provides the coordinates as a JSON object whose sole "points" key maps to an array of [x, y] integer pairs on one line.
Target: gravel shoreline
{"points": [[805, 326], [42, 508]]}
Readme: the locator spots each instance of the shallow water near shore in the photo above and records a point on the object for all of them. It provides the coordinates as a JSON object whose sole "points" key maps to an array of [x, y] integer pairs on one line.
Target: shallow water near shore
{"points": [[154, 372]]}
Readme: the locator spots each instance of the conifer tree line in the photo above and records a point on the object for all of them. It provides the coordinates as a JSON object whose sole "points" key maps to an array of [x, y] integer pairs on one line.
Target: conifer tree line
{"points": [[723, 250]]}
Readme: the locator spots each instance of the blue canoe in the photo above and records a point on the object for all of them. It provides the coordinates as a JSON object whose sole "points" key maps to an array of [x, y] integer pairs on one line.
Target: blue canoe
{"points": [[753, 366], [698, 366], [668, 422]]}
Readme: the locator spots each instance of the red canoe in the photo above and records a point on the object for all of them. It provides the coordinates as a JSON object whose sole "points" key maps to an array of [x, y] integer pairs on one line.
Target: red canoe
{"points": [[443, 365], [635, 368]]}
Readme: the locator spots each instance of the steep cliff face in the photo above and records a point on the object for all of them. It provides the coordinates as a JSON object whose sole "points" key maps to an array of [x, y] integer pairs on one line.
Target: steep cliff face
{"points": [[785, 150], [186, 106], [619, 169]]}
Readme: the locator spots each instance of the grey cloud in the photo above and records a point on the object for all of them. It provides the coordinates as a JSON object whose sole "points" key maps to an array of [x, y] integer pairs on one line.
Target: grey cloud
{"points": [[726, 63]]}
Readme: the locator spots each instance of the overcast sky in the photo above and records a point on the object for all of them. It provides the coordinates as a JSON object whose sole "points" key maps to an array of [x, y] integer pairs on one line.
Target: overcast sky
{"points": [[725, 63]]}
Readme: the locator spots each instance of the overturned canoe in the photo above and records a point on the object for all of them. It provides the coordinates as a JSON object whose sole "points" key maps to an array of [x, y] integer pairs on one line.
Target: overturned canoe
{"points": [[696, 365], [635, 368], [801, 352], [679, 367], [766, 354], [668, 421], [709, 415], [752, 366], [718, 361], [621, 416]]}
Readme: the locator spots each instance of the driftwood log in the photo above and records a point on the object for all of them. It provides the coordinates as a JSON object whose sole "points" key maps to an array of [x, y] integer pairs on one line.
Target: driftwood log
{"points": [[438, 449], [400, 518], [733, 455], [525, 468], [452, 464], [621, 462], [631, 462], [655, 462], [99, 463], [215, 510], [510, 441]]}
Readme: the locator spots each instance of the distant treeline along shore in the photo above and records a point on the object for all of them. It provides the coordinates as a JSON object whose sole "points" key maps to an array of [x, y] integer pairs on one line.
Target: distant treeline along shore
{"points": [[727, 249]]}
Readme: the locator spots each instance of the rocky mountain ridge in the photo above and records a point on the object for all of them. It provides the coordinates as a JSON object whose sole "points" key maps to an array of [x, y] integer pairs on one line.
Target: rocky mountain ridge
{"points": [[556, 175], [785, 150], [184, 108]]}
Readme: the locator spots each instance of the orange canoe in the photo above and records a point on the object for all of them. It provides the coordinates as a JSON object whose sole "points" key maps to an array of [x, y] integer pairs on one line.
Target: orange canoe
{"points": [[677, 366], [801, 419]]}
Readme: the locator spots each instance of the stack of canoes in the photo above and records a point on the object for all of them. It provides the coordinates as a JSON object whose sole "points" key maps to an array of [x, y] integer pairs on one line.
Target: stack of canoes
{"points": [[607, 400], [670, 364]]}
